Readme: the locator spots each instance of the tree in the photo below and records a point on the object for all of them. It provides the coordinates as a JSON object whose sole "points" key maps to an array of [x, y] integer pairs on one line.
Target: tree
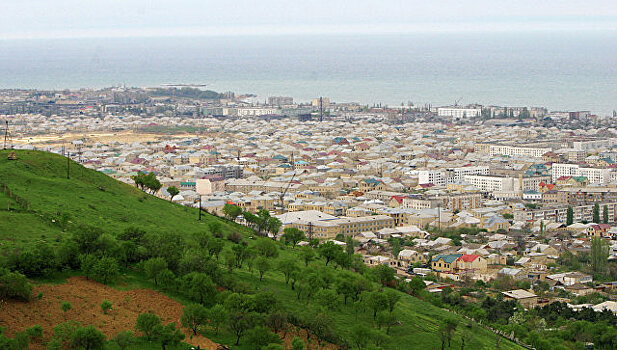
{"points": [[106, 306], [153, 267], [261, 336], [263, 265], [605, 214], [124, 339], [287, 266], [173, 191], [200, 287], [329, 250], [396, 247], [193, 316], [266, 248], [239, 322], [393, 297], [105, 270], [217, 315], [416, 285], [361, 335], [168, 335], [596, 213], [147, 324], [307, 254], [88, 338], [349, 246], [293, 235], [599, 255], [384, 274], [570, 216], [14, 285], [231, 211], [387, 319], [376, 301], [449, 327]]}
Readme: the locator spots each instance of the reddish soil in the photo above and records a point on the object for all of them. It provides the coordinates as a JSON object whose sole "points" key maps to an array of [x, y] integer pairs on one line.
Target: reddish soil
{"points": [[86, 297]]}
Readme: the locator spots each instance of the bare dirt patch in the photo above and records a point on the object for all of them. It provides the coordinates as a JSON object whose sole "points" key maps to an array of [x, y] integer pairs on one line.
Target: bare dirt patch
{"points": [[86, 297]]}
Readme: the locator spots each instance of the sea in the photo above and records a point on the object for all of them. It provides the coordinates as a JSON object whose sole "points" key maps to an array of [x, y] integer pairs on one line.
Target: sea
{"points": [[558, 70]]}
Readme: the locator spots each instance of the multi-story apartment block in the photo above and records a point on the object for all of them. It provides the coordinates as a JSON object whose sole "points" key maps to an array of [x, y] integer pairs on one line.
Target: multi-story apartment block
{"points": [[594, 175], [559, 213]]}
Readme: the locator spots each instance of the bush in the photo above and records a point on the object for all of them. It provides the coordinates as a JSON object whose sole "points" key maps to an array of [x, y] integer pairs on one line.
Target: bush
{"points": [[35, 332], [106, 306], [14, 285]]}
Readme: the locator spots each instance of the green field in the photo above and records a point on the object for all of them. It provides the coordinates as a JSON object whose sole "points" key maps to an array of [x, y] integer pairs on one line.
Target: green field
{"points": [[58, 205]]}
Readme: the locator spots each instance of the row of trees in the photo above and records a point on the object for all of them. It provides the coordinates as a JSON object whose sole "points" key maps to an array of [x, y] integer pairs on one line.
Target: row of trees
{"points": [[147, 182]]}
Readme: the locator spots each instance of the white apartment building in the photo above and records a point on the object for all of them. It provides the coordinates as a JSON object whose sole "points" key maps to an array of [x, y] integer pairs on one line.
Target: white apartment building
{"points": [[501, 150], [594, 175], [442, 177], [434, 177], [458, 174], [460, 111], [487, 183], [593, 145]]}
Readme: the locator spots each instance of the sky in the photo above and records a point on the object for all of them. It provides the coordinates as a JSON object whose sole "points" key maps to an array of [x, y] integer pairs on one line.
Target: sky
{"points": [[35, 19]]}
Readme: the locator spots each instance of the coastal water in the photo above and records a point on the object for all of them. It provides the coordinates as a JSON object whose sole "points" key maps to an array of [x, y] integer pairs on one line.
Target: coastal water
{"points": [[561, 71]]}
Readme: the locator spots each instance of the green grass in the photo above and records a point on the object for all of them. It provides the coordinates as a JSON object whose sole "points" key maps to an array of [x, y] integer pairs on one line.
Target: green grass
{"points": [[92, 198], [88, 197]]}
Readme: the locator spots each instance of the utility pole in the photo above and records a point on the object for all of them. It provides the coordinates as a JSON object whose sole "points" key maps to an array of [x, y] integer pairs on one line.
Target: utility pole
{"points": [[68, 164], [6, 133], [199, 207]]}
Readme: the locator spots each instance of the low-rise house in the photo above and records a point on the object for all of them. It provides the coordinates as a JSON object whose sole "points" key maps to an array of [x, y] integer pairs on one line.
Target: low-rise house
{"points": [[527, 299]]}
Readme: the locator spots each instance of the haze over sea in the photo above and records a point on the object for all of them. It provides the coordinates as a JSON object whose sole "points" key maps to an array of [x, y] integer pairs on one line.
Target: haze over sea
{"points": [[558, 70]]}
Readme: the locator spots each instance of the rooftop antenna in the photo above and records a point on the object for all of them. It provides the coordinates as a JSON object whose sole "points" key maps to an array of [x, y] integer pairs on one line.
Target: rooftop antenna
{"points": [[238, 157]]}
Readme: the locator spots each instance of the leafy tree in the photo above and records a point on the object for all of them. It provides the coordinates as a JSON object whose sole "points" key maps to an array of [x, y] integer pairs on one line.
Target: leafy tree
{"points": [[105, 270], [361, 335], [605, 214], [260, 336], [329, 251], [376, 301], [147, 323], [349, 246], [266, 248], [14, 285], [217, 315], [193, 316], [106, 306], [387, 319], [599, 255], [596, 213], [570, 216], [384, 274], [396, 247], [416, 285], [173, 191], [168, 335], [287, 266], [239, 322], [327, 299], [449, 325], [393, 297], [167, 279], [307, 254], [241, 253], [200, 287], [293, 235], [153, 268], [88, 338], [231, 211], [263, 265], [124, 339], [215, 246]]}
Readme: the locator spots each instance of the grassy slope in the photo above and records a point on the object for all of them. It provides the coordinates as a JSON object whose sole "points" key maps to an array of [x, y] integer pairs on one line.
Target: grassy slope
{"points": [[41, 179]]}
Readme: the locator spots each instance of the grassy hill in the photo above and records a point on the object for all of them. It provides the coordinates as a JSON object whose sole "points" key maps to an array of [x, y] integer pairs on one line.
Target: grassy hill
{"points": [[56, 204], [48, 206]]}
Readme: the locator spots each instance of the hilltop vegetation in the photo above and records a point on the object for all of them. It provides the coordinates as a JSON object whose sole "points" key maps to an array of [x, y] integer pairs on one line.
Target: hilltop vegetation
{"points": [[237, 287]]}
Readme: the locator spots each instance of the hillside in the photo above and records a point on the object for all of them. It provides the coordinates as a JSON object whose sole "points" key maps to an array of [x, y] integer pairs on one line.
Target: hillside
{"points": [[56, 204], [49, 208]]}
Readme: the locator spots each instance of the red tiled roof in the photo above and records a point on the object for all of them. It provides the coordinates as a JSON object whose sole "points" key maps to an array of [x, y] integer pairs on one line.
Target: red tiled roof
{"points": [[469, 257]]}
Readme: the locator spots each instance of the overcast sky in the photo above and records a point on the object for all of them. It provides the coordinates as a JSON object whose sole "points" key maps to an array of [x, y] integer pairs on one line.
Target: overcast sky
{"points": [[125, 18]]}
